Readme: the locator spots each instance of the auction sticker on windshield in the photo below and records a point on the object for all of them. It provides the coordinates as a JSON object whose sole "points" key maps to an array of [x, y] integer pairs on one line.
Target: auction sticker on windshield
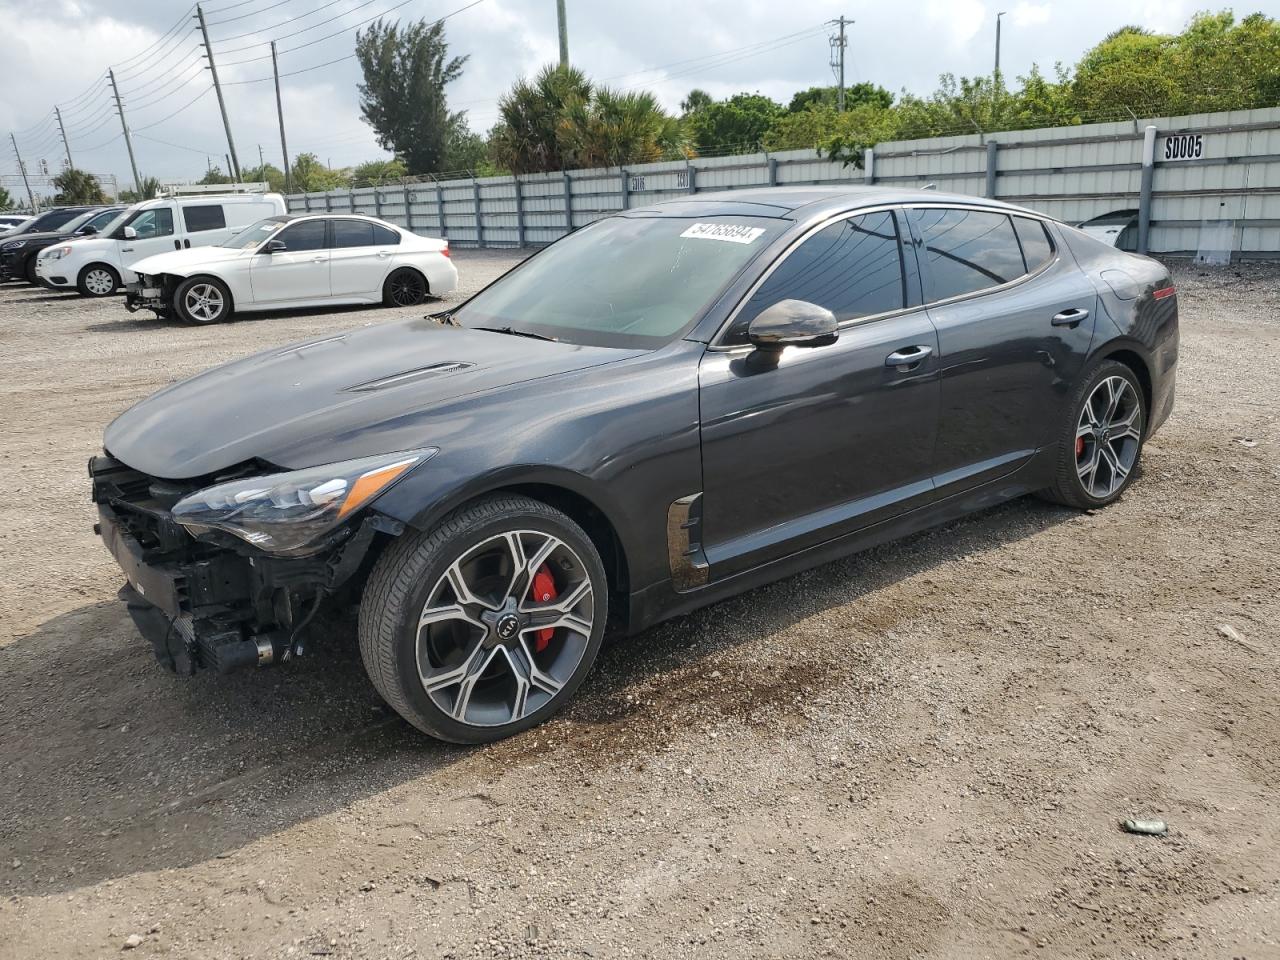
{"points": [[730, 232]]}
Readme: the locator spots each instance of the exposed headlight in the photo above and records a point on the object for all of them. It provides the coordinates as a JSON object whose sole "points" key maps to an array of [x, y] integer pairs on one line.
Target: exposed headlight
{"points": [[14, 245], [286, 513], [57, 253]]}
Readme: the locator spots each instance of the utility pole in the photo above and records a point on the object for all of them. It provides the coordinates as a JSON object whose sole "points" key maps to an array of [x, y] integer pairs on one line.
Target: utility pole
{"points": [[22, 168], [63, 130], [838, 46], [128, 141], [564, 33], [996, 76], [284, 147], [217, 88]]}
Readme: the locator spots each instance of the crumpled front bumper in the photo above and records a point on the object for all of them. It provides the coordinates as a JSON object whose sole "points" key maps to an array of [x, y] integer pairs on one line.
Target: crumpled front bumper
{"points": [[143, 295]]}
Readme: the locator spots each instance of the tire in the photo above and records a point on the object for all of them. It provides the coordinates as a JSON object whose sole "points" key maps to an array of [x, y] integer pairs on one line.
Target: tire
{"points": [[474, 654], [1099, 451], [29, 271], [405, 287], [202, 301], [98, 280]]}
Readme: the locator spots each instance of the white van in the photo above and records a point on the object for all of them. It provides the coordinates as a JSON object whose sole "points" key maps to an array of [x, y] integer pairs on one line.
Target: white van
{"points": [[98, 266]]}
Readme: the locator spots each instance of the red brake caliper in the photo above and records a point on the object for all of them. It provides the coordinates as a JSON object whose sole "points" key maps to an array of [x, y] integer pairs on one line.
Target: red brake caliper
{"points": [[1079, 446], [543, 590]]}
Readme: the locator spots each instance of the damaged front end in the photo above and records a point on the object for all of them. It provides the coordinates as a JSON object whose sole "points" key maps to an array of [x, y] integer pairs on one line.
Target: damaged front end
{"points": [[207, 598], [153, 293]]}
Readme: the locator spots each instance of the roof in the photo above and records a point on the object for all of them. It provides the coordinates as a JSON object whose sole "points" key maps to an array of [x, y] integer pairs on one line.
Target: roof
{"points": [[782, 201]]}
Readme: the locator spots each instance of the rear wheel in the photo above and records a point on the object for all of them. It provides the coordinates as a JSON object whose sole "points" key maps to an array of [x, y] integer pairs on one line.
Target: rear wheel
{"points": [[405, 287], [29, 271], [97, 280], [202, 300], [488, 624], [1101, 442]]}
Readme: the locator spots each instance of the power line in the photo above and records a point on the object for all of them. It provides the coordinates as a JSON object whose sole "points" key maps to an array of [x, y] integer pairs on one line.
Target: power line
{"points": [[277, 26], [251, 13], [190, 103]]}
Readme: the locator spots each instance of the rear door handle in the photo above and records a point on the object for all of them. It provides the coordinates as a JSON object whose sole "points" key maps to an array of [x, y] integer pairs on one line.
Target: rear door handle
{"points": [[1070, 318], [908, 357], [383, 254], [318, 259]]}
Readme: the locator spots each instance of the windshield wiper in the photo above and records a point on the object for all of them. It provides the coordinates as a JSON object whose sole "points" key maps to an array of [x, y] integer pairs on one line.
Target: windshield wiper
{"points": [[512, 331], [444, 317]]}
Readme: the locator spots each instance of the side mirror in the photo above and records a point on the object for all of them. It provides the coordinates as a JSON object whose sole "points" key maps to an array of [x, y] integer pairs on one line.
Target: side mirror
{"points": [[793, 323], [89, 230], [275, 245], [130, 233]]}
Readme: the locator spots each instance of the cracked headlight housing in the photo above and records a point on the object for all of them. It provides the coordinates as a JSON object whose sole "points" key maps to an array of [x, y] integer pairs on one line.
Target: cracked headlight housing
{"points": [[287, 513]]}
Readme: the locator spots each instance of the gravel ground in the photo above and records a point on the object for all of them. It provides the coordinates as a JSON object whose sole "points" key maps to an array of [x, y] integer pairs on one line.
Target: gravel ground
{"points": [[922, 751]]}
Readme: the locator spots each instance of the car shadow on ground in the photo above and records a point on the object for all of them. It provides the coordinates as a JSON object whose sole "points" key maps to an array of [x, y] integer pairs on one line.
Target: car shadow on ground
{"points": [[114, 766]]}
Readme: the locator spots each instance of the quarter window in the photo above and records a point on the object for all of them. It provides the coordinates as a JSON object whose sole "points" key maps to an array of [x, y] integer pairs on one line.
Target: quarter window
{"points": [[352, 233], [307, 235], [852, 267], [384, 236], [967, 250], [1036, 248], [206, 217]]}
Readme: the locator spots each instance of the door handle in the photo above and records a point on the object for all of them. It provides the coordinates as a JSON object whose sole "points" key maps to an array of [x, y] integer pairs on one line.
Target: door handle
{"points": [[318, 259], [126, 249], [177, 245], [908, 358], [1070, 318], [383, 254]]}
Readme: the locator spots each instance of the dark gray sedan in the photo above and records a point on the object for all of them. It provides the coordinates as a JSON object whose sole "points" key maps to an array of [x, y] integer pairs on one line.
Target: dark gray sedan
{"points": [[665, 408]]}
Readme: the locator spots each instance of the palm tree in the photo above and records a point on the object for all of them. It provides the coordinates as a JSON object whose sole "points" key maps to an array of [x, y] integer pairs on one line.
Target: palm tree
{"points": [[76, 186], [526, 139], [149, 189]]}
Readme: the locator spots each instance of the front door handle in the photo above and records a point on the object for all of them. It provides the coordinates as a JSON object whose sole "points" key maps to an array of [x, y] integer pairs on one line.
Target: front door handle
{"points": [[317, 259], [908, 358], [1070, 318]]}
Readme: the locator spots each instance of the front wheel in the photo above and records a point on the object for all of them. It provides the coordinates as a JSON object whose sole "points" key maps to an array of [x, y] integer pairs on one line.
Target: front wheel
{"points": [[97, 280], [486, 625], [1101, 441], [202, 300]]}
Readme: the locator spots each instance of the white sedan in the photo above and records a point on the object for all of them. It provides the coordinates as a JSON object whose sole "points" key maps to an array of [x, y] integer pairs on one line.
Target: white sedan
{"points": [[294, 261]]}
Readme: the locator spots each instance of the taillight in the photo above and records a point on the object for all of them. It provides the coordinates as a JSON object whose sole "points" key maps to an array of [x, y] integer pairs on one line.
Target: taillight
{"points": [[1163, 292], [445, 251]]}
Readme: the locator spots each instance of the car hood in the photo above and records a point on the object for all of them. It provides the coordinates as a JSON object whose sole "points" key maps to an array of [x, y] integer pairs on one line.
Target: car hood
{"points": [[46, 235], [184, 261], [360, 393]]}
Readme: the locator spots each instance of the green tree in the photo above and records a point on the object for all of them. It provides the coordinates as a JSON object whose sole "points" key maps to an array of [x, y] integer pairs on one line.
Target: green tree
{"points": [[696, 100], [843, 136], [76, 186], [403, 97], [737, 124], [527, 136], [149, 189], [373, 173], [6, 199], [268, 173], [214, 175], [854, 95], [613, 128], [467, 150], [309, 175]]}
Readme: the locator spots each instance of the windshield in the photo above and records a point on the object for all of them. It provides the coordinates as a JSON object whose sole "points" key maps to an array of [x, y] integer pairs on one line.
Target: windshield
{"points": [[99, 219], [71, 226], [623, 281], [117, 220], [254, 234]]}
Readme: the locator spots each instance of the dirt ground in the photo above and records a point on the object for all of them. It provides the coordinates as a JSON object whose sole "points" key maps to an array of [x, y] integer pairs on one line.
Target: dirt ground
{"points": [[922, 751]]}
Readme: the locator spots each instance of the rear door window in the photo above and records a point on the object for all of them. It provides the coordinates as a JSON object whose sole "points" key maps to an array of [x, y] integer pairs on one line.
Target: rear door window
{"points": [[1036, 248], [204, 217], [966, 251], [307, 235], [852, 267], [352, 233]]}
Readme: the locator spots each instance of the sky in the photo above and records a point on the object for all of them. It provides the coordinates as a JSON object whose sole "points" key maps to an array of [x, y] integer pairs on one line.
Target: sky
{"points": [[57, 52]]}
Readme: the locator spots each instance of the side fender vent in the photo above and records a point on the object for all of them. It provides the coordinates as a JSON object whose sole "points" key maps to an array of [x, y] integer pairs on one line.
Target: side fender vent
{"points": [[411, 376], [688, 563]]}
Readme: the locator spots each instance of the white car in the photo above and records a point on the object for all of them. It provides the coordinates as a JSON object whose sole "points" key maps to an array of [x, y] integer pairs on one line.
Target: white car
{"points": [[99, 266], [9, 221], [295, 261]]}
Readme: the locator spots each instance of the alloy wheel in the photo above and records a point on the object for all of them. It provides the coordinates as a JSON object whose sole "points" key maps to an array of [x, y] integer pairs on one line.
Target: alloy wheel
{"points": [[99, 282], [204, 302], [505, 628], [407, 289], [1108, 435]]}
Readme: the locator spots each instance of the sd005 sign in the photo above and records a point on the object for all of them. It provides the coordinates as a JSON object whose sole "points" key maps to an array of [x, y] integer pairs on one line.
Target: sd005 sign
{"points": [[1184, 146]]}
